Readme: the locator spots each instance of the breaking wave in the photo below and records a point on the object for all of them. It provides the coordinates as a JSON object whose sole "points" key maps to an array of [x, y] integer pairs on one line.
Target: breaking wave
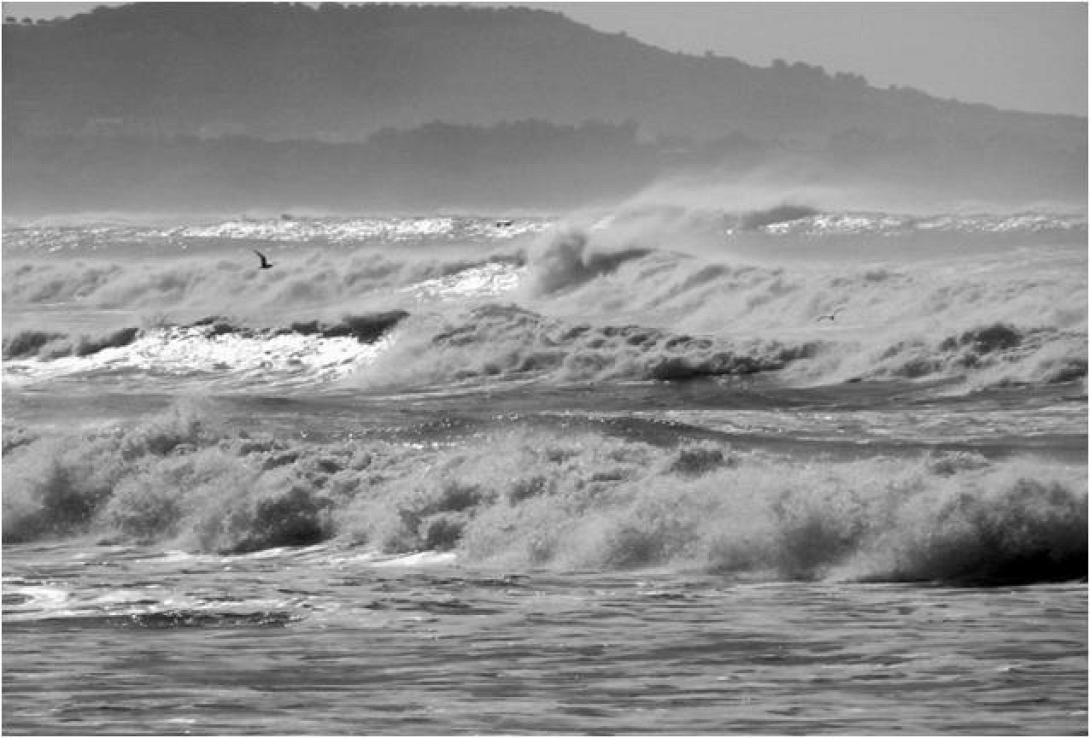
{"points": [[304, 280], [307, 352], [540, 497], [46, 345], [510, 342], [993, 317], [646, 297], [648, 294]]}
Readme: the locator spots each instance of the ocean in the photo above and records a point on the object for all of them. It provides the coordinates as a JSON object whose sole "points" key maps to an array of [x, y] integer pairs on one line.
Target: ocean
{"points": [[655, 469]]}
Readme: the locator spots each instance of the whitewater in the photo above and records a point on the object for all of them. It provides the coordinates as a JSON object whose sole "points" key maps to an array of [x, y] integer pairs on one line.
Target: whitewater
{"points": [[653, 469]]}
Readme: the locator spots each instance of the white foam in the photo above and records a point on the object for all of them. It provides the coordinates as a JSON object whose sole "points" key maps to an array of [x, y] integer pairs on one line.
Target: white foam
{"points": [[421, 558], [39, 598], [483, 281], [185, 351], [885, 224], [354, 230], [51, 238]]}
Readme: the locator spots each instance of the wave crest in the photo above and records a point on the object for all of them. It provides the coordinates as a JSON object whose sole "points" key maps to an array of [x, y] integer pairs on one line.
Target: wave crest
{"points": [[567, 259], [539, 497], [511, 342], [48, 345], [214, 347]]}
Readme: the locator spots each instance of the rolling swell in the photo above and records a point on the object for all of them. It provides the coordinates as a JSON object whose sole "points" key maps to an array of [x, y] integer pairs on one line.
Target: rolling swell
{"points": [[508, 341], [227, 282], [994, 355], [999, 316], [540, 497], [49, 345]]}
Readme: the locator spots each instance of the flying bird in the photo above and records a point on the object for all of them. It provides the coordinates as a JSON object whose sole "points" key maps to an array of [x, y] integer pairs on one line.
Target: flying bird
{"points": [[829, 316], [264, 262]]}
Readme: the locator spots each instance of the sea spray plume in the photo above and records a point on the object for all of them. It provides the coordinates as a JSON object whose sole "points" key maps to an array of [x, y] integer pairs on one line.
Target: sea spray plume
{"points": [[746, 197], [153, 505], [674, 228], [801, 179], [56, 484], [566, 261], [180, 477], [593, 243], [173, 475], [216, 500], [521, 470], [788, 179], [582, 500]]}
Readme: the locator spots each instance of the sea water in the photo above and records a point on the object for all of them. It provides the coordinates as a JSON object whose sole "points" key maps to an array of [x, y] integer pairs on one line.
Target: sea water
{"points": [[653, 470]]}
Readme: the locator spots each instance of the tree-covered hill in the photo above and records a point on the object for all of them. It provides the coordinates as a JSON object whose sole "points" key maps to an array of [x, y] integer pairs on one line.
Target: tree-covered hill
{"points": [[166, 103], [343, 72]]}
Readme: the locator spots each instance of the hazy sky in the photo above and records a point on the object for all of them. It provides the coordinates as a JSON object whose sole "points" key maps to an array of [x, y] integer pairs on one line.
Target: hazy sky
{"points": [[1027, 56], [1024, 56]]}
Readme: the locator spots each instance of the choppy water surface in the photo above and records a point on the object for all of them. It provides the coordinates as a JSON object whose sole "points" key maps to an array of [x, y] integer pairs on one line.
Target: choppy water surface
{"points": [[661, 472], [322, 641]]}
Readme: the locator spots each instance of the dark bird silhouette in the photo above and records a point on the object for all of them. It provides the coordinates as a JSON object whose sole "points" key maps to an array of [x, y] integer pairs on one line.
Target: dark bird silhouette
{"points": [[264, 262]]}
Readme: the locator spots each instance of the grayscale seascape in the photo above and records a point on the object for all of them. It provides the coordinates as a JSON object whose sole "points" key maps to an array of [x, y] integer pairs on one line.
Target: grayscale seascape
{"points": [[592, 442]]}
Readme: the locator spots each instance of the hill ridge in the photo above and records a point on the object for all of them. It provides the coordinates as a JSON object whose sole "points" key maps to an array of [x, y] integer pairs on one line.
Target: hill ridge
{"points": [[341, 73]]}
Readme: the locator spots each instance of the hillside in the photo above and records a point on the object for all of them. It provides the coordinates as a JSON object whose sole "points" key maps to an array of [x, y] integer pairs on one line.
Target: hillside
{"points": [[343, 74], [292, 71]]}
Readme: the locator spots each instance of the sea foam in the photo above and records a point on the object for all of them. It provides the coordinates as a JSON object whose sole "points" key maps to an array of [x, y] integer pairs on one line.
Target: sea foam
{"points": [[539, 497]]}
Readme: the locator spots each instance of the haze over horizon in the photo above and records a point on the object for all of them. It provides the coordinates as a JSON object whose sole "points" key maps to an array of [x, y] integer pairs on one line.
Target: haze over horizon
{"points": [[435, 106], [1016, 56]]}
